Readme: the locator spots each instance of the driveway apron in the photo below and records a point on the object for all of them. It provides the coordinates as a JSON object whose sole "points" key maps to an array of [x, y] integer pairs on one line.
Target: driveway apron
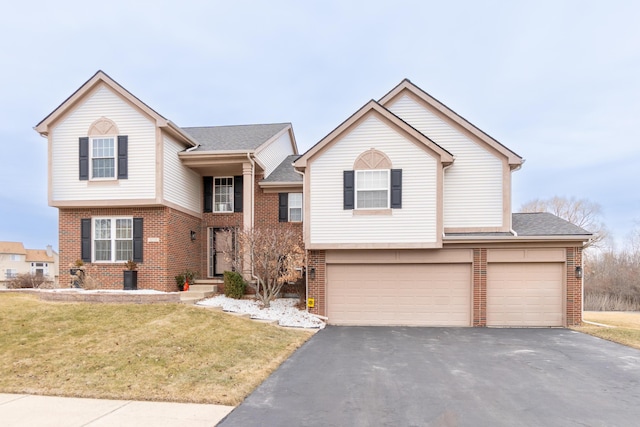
{"points": [[396, 376]]}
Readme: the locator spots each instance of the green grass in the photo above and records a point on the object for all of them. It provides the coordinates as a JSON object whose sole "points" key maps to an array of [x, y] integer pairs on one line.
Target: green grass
{"points": [[165, 352], [625, 326]]}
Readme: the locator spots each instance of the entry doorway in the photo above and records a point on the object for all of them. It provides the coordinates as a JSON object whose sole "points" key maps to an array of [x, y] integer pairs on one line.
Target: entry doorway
{"points": [[221, 249]]}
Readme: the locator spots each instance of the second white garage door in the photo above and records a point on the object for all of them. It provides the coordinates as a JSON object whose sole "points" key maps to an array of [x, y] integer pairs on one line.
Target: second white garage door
{"points": [[399, 294], [524, 294]]}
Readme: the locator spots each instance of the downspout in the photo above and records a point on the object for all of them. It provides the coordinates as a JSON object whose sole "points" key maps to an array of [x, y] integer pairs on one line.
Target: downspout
{"points": [[306, 267], [444, 168]]}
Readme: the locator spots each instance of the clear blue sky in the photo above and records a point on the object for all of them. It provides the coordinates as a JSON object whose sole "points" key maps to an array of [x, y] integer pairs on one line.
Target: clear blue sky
{"points": [[555, 81]]}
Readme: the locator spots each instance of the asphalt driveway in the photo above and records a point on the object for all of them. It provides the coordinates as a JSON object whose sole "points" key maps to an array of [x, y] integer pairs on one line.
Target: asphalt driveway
{"points": [[377, 376]]}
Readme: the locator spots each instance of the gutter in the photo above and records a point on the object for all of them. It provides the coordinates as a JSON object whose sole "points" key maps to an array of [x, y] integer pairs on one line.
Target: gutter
{"points": [[472, 238]]}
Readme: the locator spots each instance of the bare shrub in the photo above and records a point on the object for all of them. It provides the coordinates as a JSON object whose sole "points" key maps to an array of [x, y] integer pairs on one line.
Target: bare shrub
{"points": [[28, 280], [272, 256]]}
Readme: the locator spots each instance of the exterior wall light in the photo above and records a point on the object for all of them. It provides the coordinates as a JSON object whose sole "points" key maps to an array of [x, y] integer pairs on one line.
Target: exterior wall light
{"points": [[578, 272], [312, 273], [193, 236]]}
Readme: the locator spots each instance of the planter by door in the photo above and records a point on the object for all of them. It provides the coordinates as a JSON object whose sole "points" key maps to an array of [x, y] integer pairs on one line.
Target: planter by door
{"points": [[130, 280]]}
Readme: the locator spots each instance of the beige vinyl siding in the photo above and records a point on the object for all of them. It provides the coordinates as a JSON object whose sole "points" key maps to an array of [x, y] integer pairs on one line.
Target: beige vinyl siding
{"points": [[273, 154], [141, 151], [414, 223], [182, 185], [473, 185]]}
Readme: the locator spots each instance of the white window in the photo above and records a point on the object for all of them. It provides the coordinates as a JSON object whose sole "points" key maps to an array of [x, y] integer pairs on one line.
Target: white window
{"points": [[112, 239], [40, 268], [295, 207], [223, 194], [14, 257], [11, 273], [372, 189], [103, 158]]}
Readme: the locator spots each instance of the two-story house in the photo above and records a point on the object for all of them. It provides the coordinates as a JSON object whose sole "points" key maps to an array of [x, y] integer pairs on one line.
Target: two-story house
{"points": [[16, 260], [405, 209], [407, 220], [130, 184]]}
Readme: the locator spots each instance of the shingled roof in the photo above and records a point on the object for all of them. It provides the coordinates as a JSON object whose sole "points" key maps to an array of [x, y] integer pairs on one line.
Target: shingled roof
{"points": [[544, 224], [285, 172], [532, 224], [239, 137], [12, 248]]}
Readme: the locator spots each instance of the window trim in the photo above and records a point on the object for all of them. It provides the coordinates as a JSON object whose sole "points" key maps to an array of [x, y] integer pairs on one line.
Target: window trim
{"points": [[114, 138], [387, 189], [289, 207], [232, 195], [113, 239]]}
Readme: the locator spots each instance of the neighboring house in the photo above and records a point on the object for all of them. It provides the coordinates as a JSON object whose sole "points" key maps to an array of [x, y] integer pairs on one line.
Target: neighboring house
{"points": [[407, 220], [130, 184], [15, 260], [406, 209]]}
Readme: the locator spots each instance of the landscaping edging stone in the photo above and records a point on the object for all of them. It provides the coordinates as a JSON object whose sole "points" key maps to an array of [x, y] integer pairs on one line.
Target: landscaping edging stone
{"points": [[123, 297]]}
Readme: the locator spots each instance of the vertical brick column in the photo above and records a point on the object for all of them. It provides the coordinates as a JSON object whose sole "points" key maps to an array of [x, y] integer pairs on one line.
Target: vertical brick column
{"points": [[480, 287], [574, 286], [317, 285]]}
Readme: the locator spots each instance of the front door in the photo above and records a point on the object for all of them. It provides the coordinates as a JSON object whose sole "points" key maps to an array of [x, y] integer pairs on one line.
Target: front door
{"points": [[220, 251]]}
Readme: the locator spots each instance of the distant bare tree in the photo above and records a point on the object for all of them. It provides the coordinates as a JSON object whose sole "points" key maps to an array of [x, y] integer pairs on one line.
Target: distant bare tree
{"points": [[272, 256], [581, 212]]}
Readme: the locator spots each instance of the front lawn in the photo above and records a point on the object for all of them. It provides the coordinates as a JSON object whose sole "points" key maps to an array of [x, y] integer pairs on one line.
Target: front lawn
{"points": [[625, 330], [165, 352]]}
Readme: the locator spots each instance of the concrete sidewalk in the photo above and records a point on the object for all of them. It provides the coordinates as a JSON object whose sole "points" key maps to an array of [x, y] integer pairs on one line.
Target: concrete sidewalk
{"points": [[21, 410]]}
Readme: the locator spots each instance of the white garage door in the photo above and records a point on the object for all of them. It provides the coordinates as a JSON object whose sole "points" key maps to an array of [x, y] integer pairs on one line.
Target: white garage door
{"points": [[399, 294], [524, 294]]}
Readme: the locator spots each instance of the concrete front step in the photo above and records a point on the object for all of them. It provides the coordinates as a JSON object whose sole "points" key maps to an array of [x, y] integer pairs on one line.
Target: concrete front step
{"points": [[203, 288], [198, 292]]}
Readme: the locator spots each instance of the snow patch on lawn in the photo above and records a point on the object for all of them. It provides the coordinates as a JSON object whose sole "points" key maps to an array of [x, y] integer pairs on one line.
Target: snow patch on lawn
{"points": [[283, 310]]}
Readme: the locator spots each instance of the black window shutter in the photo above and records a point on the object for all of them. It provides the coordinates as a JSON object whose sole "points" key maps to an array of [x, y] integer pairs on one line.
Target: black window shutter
{"points": [[84, 159], [237, 193], [396, 188], [349, 189], [207, 183], [137, 239], [85, 239], [283, 207], [123, 153]]}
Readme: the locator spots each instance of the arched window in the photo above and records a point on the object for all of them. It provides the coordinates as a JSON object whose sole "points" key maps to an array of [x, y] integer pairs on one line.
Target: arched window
{"points": [[373, 184]]}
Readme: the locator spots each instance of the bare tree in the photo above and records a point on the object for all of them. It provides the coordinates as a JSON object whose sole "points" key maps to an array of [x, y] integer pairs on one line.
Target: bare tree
{"points": [[581, 212], [271, 256]]}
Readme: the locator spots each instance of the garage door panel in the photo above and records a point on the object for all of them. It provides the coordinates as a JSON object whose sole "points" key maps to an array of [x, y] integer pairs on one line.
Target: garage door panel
{"points": [[525, 294], [399, 294]]}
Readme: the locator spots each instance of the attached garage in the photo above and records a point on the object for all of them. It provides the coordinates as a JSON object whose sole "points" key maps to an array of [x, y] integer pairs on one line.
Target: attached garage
{"points": [[399, 294], [525, 294]]}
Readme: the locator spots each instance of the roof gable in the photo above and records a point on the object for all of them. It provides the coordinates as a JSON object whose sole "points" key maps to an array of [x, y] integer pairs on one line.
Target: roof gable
{"points": [[395, 122], [12, 248], [100, 78], [407, 87]]}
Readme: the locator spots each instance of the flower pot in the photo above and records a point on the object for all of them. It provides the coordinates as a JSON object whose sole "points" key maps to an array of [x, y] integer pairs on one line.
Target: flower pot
{"points": [[130, 280]]}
